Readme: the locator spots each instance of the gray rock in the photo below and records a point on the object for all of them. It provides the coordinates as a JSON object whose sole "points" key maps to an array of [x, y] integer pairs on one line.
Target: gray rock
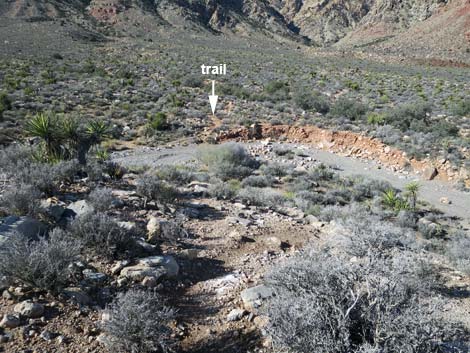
{"points": [[10, 321], [94, 278], [254, 296], [29, 309], [79, 208], [27, 226], [47, 335], [236, 314], [430, 173], [54, 210], [77, 295], [154, 266]]}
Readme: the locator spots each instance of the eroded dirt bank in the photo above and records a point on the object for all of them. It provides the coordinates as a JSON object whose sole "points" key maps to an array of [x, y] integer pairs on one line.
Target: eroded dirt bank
{"points": [[350, 144]]}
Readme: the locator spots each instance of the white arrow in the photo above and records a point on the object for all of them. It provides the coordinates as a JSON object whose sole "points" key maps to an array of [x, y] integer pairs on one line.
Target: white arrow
{"points": [[213, 98]]}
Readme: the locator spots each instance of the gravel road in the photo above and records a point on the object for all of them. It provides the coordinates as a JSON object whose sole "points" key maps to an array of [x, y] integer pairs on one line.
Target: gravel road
{"points": [[431, 191]]}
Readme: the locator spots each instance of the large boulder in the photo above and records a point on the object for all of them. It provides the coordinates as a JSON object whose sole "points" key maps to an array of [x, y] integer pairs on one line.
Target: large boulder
{"points": [[154, 266], [26, 226]]}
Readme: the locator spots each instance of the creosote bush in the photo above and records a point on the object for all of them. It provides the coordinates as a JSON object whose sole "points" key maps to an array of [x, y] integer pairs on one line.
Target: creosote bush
{"points": [[153, 188], [102, 199], [21, 200], [42, 264], [228, 161], [138, 323], [372, 294], [102, 235]]}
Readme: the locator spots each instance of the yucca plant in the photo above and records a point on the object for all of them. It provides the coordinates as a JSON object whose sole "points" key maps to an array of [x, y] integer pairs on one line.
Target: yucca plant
{"points": [[96, 131], [389, 198], [412, 190], [46, 127]]}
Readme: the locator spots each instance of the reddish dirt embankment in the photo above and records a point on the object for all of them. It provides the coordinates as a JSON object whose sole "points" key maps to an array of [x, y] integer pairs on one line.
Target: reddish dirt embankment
{"points": [[349, 144]]}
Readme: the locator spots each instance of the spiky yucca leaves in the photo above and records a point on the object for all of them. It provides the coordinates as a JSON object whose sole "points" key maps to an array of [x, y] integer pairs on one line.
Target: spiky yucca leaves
{"points": [[412, 190], [64, 137], [46, 126]]}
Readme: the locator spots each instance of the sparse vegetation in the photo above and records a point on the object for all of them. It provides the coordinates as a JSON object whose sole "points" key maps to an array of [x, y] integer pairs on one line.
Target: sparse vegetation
{"points": [[138, 323]]}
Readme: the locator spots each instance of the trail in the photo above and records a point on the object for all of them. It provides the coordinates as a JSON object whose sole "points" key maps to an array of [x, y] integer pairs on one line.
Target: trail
{"points": [[430, 191]]}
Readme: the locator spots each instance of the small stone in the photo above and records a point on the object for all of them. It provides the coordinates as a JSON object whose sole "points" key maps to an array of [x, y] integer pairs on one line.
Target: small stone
{"points": [[10, 321], [4, 338], [29, 309], [430, 173], [149, 282], [445, 201], [190, 254], [47, 335], [236, 315], [253, 297]]}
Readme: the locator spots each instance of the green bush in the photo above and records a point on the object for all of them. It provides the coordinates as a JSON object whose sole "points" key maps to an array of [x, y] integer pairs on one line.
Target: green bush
{"points": [[158, 122], [410, 116], [307, 100], [228, 161], [462, 108], [349, 109], [5, 103]]}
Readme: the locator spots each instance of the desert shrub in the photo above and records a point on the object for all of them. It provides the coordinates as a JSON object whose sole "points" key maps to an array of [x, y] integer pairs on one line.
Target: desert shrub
{"points": [[158, 122], [102, 199], [325, 303], [307, 100], [368, 188], [462, 108], [265, 197], [42, 264], [194, 81], [14, 156], [46, 177], [337, 213], [259, 181], [5, 103], [308, 201], [348, 108], [374, 118], [321, 173], [153, 188], [278, 170], [407, 219], [236, 90], [225, 190], [175, 174], [275, 91], [115, 170], [283, 151], [337, 197], [21, 200], [228, 161], [409, 117], [430, 228], [457, 251], [173, 231], [138, 323], [102, 235]]}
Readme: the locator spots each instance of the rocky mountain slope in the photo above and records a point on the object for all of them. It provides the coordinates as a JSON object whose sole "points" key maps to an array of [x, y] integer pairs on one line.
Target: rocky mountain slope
{"points": [[442, 25]]}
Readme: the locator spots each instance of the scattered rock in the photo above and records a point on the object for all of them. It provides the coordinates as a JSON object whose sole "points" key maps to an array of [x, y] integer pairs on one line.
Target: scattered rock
{"points": [[445, 200], [253, 297], [190, 254], [154, 266], [430, 173], [29, 309], [10, 321], [119, 266], [47, 335], [94, 278], [77, 295], [149, 282], [236, 314], [79, 208]]}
